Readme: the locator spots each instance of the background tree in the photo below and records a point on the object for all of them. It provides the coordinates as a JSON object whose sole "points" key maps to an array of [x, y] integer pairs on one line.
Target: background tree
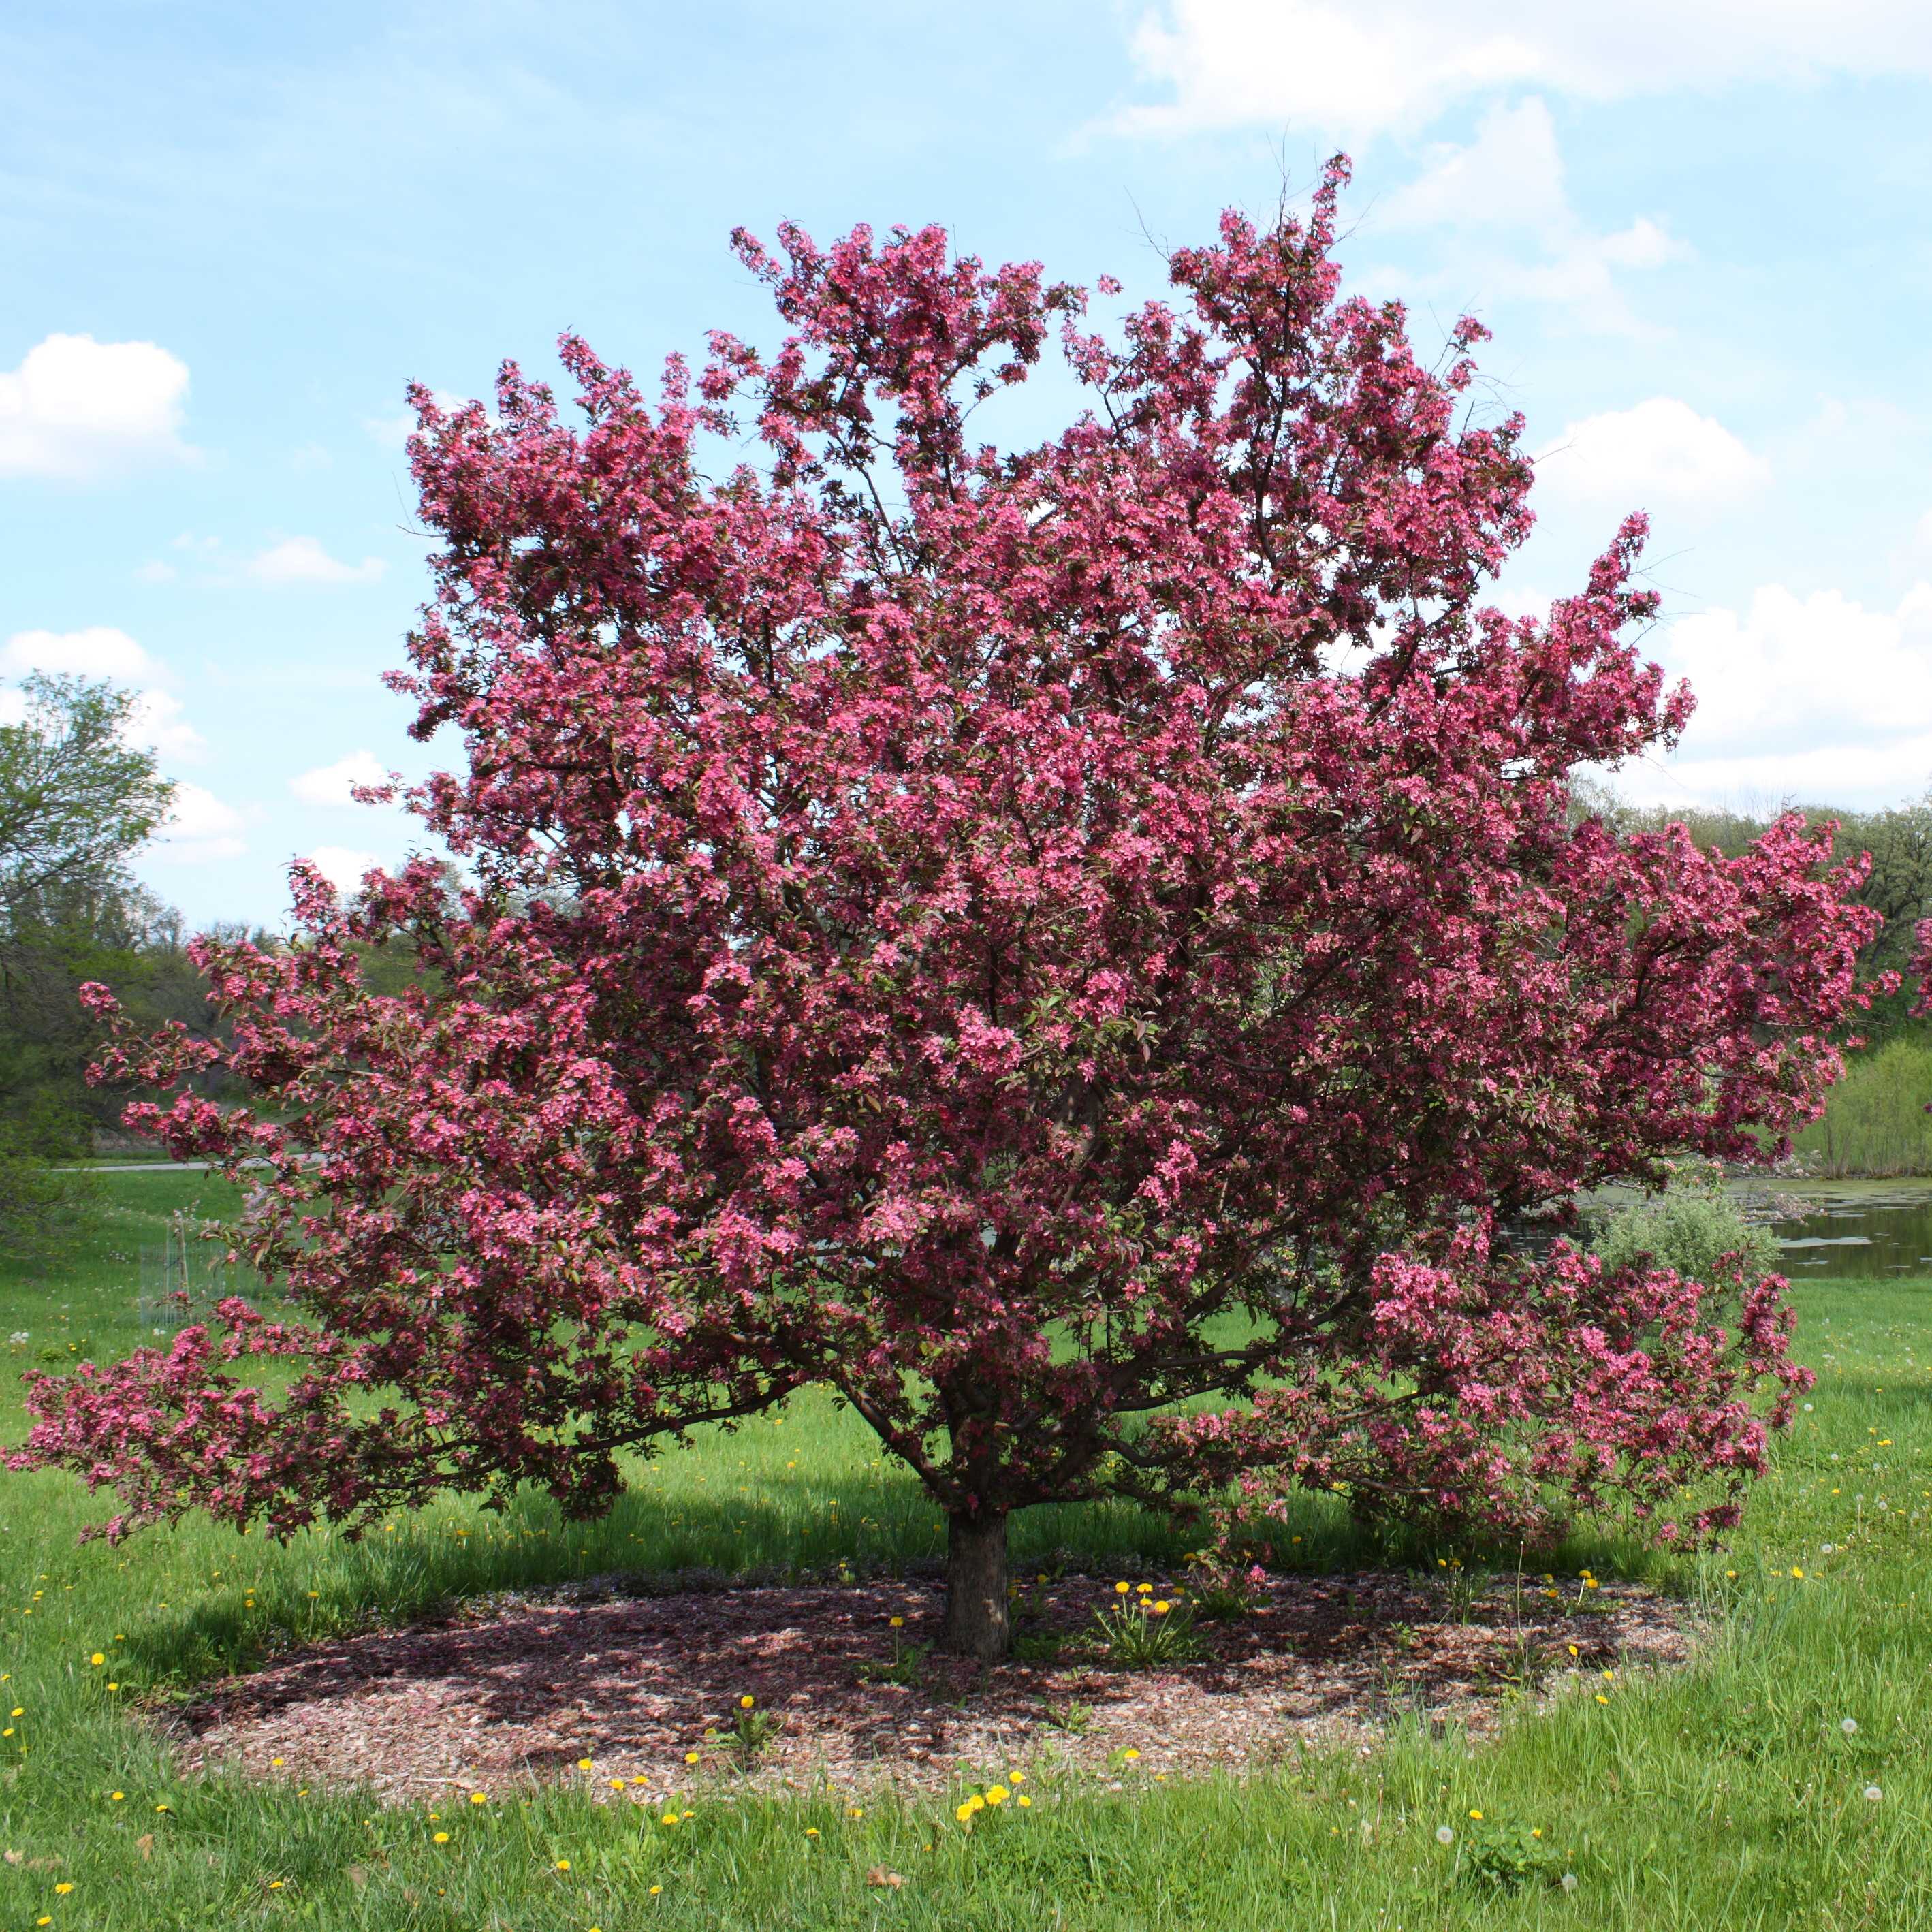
{"points": [[1030, 940], [78, 798]]}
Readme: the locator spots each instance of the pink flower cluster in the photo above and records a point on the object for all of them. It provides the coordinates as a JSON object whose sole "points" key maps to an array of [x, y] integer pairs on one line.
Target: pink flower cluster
{"points": [[1025, 939]]}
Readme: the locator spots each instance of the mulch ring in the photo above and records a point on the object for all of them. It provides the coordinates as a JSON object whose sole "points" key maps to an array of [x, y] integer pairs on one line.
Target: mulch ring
{"points": [[648, 1687]]}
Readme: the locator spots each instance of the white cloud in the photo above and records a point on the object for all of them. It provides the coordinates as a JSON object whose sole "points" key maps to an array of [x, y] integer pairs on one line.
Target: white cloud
{"points": [[77, 409], [1661, 451], [297, 560], [1352, 68], [1816, 699], [341, 866], [200, 829], [157, 722], [1503, 195], [330, 785], [99, 651]]}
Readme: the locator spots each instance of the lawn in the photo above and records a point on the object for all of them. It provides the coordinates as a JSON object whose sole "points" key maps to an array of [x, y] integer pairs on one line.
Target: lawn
{"points": [[1732, 1794]]}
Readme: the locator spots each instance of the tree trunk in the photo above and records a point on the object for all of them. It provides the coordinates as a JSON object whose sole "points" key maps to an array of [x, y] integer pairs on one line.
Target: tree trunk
{"points": [[975, 1586]]}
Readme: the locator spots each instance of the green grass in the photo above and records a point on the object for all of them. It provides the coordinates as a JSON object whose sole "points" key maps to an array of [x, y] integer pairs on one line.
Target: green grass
{"points": [[1725, 1796]]}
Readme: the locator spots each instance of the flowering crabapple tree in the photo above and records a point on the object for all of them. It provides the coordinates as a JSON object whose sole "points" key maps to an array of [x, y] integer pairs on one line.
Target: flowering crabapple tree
{"points": [[1081, 950]]}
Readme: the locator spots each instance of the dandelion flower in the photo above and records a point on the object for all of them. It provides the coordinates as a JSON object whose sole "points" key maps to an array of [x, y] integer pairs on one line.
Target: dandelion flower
{"points": [[655, 1889], [1475, 1814], [1872, 1794], [1160, 1608], [616, 1784], [1130, 1754], [117, 1795], [442, 1838], [898, 1623], [812, 1831], [1445, 1834], [1023, 1800], [97, 1658], [744, 1703], [1121, 1589], [1144, 1589], [63, 1887], [691, 1757], [1849, 1726], [1016, 1777], [1568, 1881], [996, 1795], [583, 1763], [670, 1818], [976, 1803], [1601, 1698], [563, 1864], [1798, 1573], [479, 1797]]}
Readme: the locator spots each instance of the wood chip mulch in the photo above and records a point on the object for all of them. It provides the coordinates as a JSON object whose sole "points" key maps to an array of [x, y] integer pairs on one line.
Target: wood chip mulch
{"points": [[521, 1689]]}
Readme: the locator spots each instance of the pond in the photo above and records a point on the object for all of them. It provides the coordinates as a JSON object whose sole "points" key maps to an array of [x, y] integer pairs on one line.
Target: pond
{"points": [[1863, 1231]]}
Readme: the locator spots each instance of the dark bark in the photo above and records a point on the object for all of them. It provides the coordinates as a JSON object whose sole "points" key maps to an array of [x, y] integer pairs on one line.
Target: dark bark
{"points": [[975, 1586]]}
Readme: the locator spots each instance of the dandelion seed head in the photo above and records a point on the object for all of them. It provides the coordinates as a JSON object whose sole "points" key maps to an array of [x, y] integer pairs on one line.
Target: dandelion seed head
{"points": [[1445, 1834]]}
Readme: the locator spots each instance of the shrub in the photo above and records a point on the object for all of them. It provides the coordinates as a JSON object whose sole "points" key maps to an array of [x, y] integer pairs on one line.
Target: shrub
{"points": [[1693, 1230]]}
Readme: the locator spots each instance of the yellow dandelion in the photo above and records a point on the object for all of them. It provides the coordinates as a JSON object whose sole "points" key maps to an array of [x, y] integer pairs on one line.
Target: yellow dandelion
{"points": [[63, 1887], [616, 1784], [1798, 1573], [1601, 1698], [812, 1831], [964, 1814], [117, 1795], [1475, 1814], [1130, 1754], [976, 1803], [1144, 1589], [1016, 1777], [691, 1757], [655, 1889], [97, 1658], [479, 1797], [855, 1811], [669, 1818], [996, 1795], [1023, 1799], [442, 1838], [1121, 1589], [1160, 1608], [898, 1623], [584, 1764], [745, 1703], [563, 1864]]}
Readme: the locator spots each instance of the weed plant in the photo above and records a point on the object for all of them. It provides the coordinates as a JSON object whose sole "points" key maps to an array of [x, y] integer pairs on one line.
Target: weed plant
{"points": [[1779, 1781]]}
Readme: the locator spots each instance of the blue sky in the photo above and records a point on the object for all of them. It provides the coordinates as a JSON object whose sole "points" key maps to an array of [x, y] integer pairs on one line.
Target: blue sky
{"points": [[1701, 233]]}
